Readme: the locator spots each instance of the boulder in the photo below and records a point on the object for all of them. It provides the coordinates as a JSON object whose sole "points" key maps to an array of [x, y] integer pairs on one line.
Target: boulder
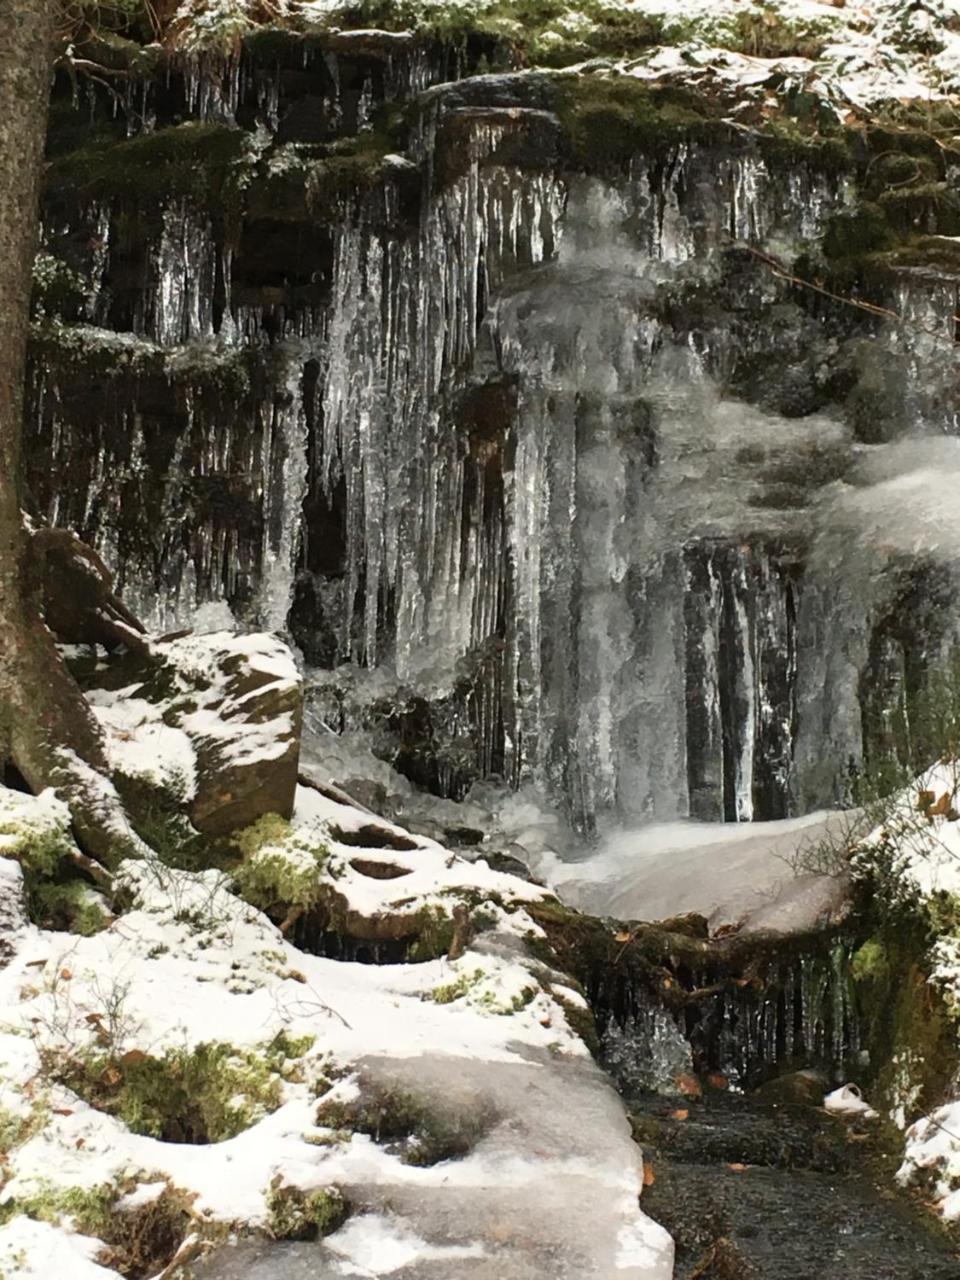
{"points": [[213, 719], [245, 732]]}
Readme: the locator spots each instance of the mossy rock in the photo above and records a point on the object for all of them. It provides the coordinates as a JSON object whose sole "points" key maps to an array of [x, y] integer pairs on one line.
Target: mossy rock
{"points": [[202, 161], [608, 121], [864, 230]]}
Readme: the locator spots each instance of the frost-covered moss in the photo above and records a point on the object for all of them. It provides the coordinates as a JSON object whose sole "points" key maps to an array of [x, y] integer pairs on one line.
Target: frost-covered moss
{"points": [[279, 869], [304, 1215]]}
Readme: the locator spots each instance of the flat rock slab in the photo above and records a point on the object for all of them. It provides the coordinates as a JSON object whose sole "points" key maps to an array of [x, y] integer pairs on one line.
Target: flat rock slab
{"points": [[548, 1191]]}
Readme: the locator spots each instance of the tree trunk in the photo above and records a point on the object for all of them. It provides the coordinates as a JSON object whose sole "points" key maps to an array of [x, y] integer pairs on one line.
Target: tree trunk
{"points": [[46, 727]]}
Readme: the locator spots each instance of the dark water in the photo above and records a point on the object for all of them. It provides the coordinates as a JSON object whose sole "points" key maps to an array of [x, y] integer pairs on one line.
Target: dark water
{"points": [[750, 1188]]}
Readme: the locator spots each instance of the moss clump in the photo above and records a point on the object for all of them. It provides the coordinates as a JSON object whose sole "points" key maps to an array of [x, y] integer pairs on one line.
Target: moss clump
{"points": [[88, 1209], [869, 962], [862, 231], [450, 991], [304, 1215], [270, 829], [279, 870], [420, 1131], [202, 1095], [69, 905], [434, 930], [157, 814]]}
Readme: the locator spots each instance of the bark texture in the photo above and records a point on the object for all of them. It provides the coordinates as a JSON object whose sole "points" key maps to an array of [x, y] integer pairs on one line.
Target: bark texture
{"points": [[46, 728]]}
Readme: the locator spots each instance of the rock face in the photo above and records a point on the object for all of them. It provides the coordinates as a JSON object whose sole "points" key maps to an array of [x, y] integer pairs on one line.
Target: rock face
{"points": [[309, 351]]}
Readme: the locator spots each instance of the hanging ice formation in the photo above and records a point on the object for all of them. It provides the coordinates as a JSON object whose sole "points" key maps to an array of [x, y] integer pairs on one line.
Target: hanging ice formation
{"points": [[557, 455]]}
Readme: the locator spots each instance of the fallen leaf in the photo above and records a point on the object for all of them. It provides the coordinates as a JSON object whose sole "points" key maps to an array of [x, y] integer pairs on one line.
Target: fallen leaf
{"points": [[689, 1085], [681, 1113], [649, 1177], [545, 1022], [133, 1058], [62, 1111], [65, 974], [622, 936], [737, 1168], [717, 1080], [296, 975]]}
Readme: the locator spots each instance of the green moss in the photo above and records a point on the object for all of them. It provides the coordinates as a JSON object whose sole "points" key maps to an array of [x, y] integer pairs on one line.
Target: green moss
{"points": [[450, 991], [279, 870], [434, 930], [581, 1022], [138, 1242], [88, 1209], [206, 1094], [270, 829], [863, 230], [158, 816], [68, 905], [207, 162], [869, 962], [16, 1128], [304, 1215], [609, 120]]}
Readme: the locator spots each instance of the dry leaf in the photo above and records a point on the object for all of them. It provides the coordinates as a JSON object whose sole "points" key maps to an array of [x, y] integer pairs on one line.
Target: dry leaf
{"points": [[717, 1080], [681, 1113], [296, 975], [737, 1168], [622, 936], [689, 1085], [62, 1111], [649, 1177], [65, 974], [133, 1058]]}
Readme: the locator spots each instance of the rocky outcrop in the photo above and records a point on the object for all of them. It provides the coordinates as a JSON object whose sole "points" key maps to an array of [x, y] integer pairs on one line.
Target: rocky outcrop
{"points": [[213, 719]]}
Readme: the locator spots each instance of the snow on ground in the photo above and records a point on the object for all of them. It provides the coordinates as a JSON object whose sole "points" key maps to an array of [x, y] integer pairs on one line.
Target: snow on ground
{"points": [[921, 830], [189, 963], [933, 1153], [923, 824], [858, 54]]}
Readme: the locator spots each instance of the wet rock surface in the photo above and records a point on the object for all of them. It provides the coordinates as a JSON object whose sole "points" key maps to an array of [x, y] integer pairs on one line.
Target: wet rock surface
{"points": [[780, 1191]]}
